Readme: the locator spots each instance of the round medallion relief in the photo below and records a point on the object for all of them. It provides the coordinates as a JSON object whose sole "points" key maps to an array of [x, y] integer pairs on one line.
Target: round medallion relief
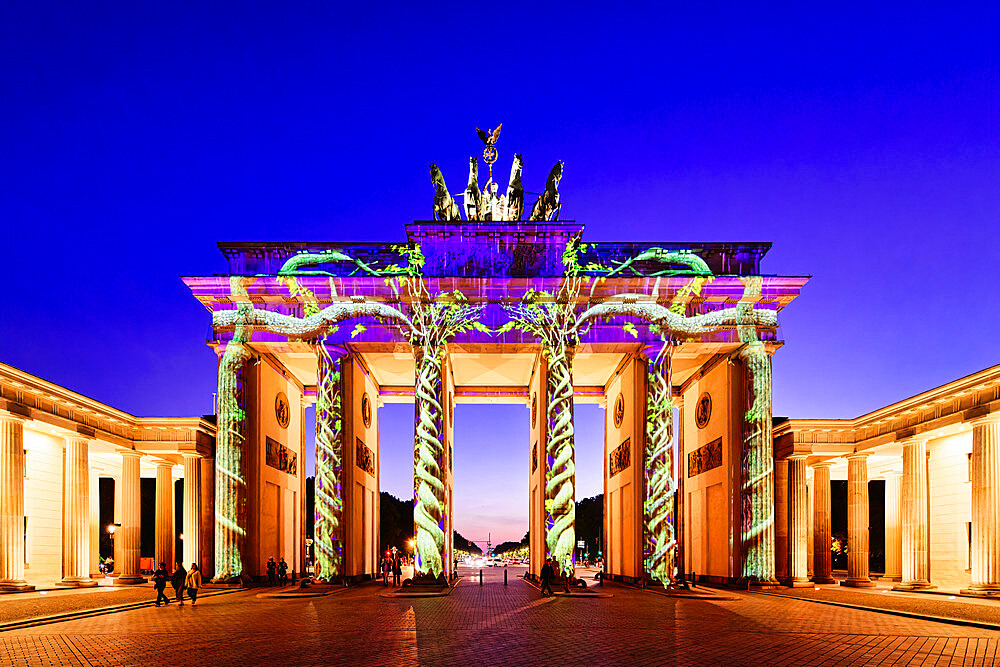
{"points": [[281, 410], [619, 410], [366, 410], [703, 410]]}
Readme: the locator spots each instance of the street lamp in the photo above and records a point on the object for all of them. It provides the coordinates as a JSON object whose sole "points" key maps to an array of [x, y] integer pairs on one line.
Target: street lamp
{"points": [[112, 527]]}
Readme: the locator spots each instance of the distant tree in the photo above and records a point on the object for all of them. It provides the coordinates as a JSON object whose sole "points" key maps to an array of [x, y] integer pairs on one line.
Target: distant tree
{"points": [[462, 544], [504, 547], [589, 522]]}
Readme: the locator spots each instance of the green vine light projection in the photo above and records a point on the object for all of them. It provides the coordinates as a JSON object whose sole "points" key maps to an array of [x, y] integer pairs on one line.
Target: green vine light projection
{"points": [[658, 508], [329, 497], [433, 323], [230, 480], [758, 458]]}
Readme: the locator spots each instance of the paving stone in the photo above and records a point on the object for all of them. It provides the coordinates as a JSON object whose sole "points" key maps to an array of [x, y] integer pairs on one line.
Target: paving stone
{"points": [[497, 624]]}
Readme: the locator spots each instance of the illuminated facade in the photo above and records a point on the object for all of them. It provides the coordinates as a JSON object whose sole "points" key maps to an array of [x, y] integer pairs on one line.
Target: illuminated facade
{"points": [[938, 454], [55, 448], [498, 309]]}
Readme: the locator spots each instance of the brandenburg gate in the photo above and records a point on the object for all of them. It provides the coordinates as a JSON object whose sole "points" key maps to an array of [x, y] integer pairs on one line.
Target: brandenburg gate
{"points": [[493, 301]]}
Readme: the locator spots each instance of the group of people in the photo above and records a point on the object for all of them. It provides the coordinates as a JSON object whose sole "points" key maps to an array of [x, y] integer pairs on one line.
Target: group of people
{"points": [[277, 572], [183, 581], [392, 565], [548, 573]]}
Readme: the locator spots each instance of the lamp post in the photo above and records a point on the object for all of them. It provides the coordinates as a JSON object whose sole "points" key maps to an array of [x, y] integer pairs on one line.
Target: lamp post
{"points": [[112, 527]]}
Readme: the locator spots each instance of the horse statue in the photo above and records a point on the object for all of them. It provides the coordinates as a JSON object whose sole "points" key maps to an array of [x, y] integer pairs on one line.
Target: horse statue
{"points": [[515, 193], [473, 197], [547, 206], [445, 207]]}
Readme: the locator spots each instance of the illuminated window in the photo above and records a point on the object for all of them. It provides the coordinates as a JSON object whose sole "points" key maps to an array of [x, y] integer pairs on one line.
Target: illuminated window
{"points": [[970, 466], [26, 551]]}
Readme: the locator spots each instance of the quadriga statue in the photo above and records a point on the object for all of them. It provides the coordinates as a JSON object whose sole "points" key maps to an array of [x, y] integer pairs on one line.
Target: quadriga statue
{"points": [[445, 207]]}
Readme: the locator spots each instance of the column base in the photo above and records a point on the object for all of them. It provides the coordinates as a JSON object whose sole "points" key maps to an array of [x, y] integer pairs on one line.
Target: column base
{"points": [[798, 582], [913, 586], [858, 583], [764, 585], [76, 582], [15, 587], [129, 580], [824, 580], [987, 591]]}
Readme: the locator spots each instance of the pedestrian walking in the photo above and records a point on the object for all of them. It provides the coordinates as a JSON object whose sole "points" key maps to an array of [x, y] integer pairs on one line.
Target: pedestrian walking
{"points": [[546, 575], [193, 582], [282, 571], [272, 569], [386, 566], [177, 581], [160, 583], [397, 570]]}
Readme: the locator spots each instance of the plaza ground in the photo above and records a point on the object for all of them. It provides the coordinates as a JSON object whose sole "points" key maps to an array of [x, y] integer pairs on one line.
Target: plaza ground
{"points": [[494, 624]]}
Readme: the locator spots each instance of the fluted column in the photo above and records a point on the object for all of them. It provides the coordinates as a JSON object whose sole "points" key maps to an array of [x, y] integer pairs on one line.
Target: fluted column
{"points": [[781, 519], [893, 527], [164, 514], [822, 566], [128, 534], [810, 542], [798, 523], [116, 544], [76, 514], [986, 506], [915, 570], [207, 509], [857, 521], [192, 509], [12, 504], [95, 523]]}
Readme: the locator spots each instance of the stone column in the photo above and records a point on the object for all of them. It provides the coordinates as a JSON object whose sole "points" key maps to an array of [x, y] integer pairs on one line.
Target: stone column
{"points": [[328, 529], [207, 536], [781, 519], [798, 523], [986, 506], [164, 515], [95, 523], [822, 566], [192, 509], [857, 521], [76, 514], [915, 570], [893, 528], [12, 504], [116, 544], [128, 534], [810, 542]]}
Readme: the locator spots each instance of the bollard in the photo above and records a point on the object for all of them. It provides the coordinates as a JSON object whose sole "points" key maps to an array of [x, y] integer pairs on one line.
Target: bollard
{"points": [[480, 577], [505, 576]]}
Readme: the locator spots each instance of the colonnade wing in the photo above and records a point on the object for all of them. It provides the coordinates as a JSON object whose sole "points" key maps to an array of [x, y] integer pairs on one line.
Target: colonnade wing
{"points": [[360, 470], [538, 407]]}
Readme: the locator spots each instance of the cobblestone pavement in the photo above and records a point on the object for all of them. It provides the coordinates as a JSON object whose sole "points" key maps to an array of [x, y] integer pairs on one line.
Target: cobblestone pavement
{"points": [[931, 604], [19, 606], [494, 624]]}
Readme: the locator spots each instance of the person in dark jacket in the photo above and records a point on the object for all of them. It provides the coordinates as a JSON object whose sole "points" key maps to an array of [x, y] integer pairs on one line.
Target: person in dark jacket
{"points": [[282, 571], [272, 569], [546, 576], [177, 581], [397, 570], [160, 583]]}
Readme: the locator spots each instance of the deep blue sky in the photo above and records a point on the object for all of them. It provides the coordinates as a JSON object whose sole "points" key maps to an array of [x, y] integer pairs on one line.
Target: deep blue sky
{"points": [[861, 141]]}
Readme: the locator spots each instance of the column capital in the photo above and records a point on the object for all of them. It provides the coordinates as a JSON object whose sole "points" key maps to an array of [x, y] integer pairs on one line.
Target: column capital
{"points": [[6, 415], [798, 457], [160, 463], [989, 418], [822, 464], [129, 453], [857, 455], [77, 437], [191, 455]]}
